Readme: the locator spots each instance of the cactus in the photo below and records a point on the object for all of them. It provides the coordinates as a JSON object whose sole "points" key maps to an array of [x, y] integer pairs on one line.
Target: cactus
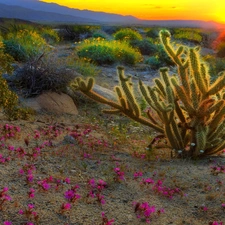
{"points": [[186, 109]]}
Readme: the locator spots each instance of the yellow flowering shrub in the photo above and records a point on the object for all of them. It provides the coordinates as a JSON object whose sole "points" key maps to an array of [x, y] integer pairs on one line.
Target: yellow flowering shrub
{"points": [[24, 44], [9, 99]]}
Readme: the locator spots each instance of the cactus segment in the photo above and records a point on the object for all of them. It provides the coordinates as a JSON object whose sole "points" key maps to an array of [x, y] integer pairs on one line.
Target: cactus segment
{"points": [[217, 86]]}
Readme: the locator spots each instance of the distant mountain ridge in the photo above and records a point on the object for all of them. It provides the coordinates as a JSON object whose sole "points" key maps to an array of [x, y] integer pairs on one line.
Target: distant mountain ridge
{"points": [[55, 8], [18, 12], [37, 11]]}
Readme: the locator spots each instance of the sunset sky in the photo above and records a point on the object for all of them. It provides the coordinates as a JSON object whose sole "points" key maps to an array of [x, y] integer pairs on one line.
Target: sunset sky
{"points": [[154, 10]]}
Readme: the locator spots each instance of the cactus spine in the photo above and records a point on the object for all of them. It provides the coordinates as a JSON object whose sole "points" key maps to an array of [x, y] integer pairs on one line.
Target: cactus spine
{"points": [[186, 110]]}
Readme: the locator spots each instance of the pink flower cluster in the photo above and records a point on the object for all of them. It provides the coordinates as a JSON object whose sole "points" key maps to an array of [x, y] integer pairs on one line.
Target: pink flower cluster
{"points": [[216, 223], [105, 220], [215, 170], [4, 159], [8, 131], [71, 194], [28, 170], [29, 213], [96, 189], [144, 210], [119, 174], [165, 191], [4, 197]]}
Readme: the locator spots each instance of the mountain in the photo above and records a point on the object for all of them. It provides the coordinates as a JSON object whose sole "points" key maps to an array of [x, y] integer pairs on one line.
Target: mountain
{"points": [[35, 10], [18, 12], [55, 8]]}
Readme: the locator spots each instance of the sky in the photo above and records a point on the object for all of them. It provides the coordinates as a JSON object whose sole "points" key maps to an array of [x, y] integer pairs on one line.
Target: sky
{"points": [[154, 10]]}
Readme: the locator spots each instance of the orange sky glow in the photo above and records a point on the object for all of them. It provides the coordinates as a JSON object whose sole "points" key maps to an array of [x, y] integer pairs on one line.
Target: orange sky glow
{"points": [[154, 10]]}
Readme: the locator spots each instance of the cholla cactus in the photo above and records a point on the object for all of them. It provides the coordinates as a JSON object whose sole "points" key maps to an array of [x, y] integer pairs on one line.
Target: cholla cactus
{"points": [[188, 110]]}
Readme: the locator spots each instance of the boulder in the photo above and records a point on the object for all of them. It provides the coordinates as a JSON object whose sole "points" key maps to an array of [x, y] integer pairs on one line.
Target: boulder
{"points": [[105, 92], [52, 102]]}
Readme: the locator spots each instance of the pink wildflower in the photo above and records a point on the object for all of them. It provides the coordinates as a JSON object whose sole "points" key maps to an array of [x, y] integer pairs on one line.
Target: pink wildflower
{"points": [[7, 223]]}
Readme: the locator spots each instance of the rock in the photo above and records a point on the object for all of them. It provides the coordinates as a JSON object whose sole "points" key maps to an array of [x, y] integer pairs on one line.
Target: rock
{"points": [[105, 92], [52, 102]]}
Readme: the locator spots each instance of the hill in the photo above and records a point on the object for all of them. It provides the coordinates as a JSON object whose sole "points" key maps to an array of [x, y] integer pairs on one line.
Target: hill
{"points": [[35, 10], [18, 12]]}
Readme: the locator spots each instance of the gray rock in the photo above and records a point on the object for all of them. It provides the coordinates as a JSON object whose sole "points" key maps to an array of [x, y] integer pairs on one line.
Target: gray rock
{"points": [[105, 92]]}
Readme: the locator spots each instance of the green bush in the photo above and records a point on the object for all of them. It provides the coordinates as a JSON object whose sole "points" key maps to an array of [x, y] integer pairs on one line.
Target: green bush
{"points": [[76, 32], [127, 34], [216, 65], [154, 62], [83, 67], [17, 51], [163, 56], [108, 52], [145, 46], [188, 34], [25, 44], [100, 34], [152, 33], [9, 99], [50, 35]]}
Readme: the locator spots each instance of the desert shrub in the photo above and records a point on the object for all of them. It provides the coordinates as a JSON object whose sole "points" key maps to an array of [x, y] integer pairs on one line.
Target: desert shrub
{"points": [[76, 32], [17, 51], [24, 44], [216, 65], [42, 74], [100, 54], [163, 56], [107, 52], [152, 33], [83, 67], [127, 34], [9, 99], [110, 30], [153, 62], [100, 34], [145, 46], [188, 34], [47, 33], [50, 35]]}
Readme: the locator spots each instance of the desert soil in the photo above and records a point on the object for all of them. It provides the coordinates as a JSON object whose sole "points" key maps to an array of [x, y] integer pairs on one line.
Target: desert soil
{"points": [[105, 143]]}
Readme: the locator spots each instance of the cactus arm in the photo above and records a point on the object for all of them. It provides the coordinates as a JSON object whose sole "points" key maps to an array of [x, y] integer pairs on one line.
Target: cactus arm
{"points": [[218, 118], [111, 111], [201, 139], [217, 85], [179, 112], [177, 135], [184, 98], [205, 75], [160, 86], [195, 70], [170, 136], [194, 94], [128, 91], [216, 150], [216, 133], [151, 118]]}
